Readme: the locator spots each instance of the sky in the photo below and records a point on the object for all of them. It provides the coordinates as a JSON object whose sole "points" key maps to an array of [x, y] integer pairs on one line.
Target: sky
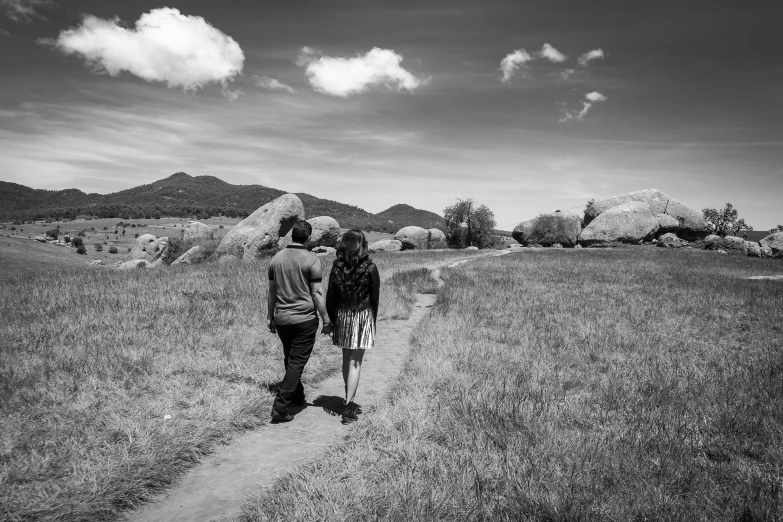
{"points": [[525, 106]]}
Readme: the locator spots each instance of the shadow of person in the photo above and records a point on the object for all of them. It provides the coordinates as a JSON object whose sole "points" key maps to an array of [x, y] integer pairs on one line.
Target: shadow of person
{"points": [[331, 404]]}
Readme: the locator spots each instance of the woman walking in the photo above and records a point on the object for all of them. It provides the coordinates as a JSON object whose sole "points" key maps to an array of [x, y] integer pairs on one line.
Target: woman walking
{"points": [[352, 305]]}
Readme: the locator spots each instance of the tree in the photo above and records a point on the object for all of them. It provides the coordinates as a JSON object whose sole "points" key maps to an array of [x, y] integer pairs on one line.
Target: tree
{"points": [[779, 228], [469, 224], [725, 220]]}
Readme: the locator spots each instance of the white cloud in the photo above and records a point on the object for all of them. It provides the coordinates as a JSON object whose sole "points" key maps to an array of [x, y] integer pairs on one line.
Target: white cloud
{"points": [[567, 73], [586, 58], [592, 97], [165, 46], [346, 76], [511, 63], [595, 96], [551, 54], [266, 82], [23, 11]]}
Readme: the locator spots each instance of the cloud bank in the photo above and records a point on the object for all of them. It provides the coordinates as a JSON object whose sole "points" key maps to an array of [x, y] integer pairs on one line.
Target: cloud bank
{"points": [[586, 58], [592, 98], [165, 46], [345, 76], [271, 84], [512, 62], [24, 11]]}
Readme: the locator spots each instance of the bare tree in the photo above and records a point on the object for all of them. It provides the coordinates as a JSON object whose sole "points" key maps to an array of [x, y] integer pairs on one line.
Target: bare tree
{"points": [[725, 220]]}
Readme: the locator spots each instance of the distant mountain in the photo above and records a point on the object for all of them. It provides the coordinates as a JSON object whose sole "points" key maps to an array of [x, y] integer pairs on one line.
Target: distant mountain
{"points": [[182, 195], [402, 215]]}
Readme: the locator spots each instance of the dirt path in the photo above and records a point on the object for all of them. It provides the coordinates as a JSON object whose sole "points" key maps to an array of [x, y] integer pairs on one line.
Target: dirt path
{"points": [[215, 489]]}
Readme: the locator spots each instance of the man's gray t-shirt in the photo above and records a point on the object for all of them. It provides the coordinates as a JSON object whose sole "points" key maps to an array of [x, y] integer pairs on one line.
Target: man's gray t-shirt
{"points": [[293, 269]]}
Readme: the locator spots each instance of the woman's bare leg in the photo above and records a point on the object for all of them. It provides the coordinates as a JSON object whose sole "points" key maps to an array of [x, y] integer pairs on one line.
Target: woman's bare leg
{"points": [[352, 367]]}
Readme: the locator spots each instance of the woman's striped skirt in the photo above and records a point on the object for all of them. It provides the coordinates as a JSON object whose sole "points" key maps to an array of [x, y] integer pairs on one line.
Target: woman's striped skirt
{"points": [[354, 329]]}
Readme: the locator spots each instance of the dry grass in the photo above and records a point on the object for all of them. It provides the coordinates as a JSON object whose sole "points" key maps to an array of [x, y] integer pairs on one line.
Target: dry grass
{"points": [[572, 385], [93, 361]]}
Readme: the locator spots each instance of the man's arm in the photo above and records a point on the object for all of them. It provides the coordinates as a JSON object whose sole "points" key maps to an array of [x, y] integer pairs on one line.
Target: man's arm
{"points": [[270, 305], [319, 300]]}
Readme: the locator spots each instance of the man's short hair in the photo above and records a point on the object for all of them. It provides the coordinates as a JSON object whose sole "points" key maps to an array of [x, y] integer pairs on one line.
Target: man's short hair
{"points": [[301, 231]]}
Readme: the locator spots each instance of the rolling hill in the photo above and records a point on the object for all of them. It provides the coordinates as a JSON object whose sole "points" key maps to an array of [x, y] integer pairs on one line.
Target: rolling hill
{"points": [[183, 195]]}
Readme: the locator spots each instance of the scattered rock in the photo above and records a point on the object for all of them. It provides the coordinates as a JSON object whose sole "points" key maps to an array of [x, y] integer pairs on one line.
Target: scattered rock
{"points": [[629, 222], [253, 237], [577, 246], [149, 248], [556, 245], [324, 251], [437, 238], [413, 238], [472, 248], [690, 222], [96, 262], [196, 230], [774, 242], [386, 245], [40, 239], [191, 257], [753, 249], [135, 263], [766, 251], [722, 252], [561, 227], [669, 240]]}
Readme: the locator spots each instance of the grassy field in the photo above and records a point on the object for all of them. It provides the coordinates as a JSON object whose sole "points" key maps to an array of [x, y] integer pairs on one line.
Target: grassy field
{"points": [[113, 383], [634, 384]]}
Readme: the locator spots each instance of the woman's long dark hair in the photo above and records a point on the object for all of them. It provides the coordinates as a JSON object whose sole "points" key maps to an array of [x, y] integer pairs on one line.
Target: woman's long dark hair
{"points": [[352, 264]]}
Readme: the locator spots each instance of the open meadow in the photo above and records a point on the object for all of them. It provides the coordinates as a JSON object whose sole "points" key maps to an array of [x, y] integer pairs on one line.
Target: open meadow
{"points": [[112, 383], [563, 385]]}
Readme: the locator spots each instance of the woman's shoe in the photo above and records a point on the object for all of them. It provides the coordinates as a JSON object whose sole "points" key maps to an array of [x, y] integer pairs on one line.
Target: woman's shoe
{"points": [[350, 413]]}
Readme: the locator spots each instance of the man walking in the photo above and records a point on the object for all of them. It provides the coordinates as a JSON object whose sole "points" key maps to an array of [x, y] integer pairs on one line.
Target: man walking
{"points": [[295, 293]]}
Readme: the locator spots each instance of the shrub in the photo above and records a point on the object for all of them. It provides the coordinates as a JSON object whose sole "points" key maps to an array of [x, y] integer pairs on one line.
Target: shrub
{"points": [[133, 225], [113, 250], [77, 242], [105, 228], [98, 247], [92, 229], [135, 235], [548, 230], [177, 247], [13, 228], [115, 231], [53, 233], [220, 227], [81, 234], [81, 249]]}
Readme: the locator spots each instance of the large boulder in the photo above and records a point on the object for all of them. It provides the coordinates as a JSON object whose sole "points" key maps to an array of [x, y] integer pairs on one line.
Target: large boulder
{"points": [[413, 238], [191, 257], [774, 242], [149, 248], [253, 237], [667, 224], [669, 240], [326, 233], [753, 249], [195, 230], [728, 244], [386, 245], [437, 238], [629, 222], [549, 229], [691, 224]]}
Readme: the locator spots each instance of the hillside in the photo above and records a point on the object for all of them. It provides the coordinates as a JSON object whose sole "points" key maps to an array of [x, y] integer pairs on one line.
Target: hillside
{"points": [[183, 195], [405, 215]]}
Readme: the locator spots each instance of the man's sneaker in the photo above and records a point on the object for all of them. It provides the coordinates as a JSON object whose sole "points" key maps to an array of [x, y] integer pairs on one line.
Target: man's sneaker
{"points": [[357, 408], [278, 417]]}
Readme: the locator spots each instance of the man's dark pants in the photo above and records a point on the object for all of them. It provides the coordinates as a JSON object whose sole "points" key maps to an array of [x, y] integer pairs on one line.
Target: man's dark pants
{"points": [[298, 340]]}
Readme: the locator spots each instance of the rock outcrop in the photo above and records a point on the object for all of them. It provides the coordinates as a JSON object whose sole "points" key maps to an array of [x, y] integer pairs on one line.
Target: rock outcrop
{"points": [[669, 240], [413, 238], [629, 222], [196, 230], [691, 224], [149, 248], [253, 237], [667, 224], [40, 239], [437, 238], [728, 244], [386, 245], [774, 242], [561, 227], [753, 249]]}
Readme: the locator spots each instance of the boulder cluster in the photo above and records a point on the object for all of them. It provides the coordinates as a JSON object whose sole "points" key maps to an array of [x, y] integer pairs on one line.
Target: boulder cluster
{"points": [[412, 238], [637, 217]]}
